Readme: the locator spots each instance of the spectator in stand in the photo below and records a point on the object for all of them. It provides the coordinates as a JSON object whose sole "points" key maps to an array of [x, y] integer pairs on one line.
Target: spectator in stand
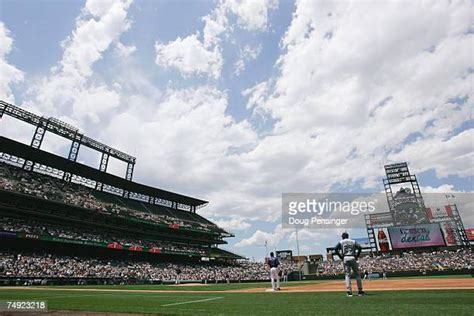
{"points": [[409, 261], [55, 189], [46, 266], [88, 234]]}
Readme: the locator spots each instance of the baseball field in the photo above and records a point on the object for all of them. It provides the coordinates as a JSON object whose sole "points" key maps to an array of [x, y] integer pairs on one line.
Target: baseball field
{"points": [[407, 296]]}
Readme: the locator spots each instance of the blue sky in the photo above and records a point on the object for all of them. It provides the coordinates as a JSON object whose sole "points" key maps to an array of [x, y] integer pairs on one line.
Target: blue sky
{"points": [[238, 101]]}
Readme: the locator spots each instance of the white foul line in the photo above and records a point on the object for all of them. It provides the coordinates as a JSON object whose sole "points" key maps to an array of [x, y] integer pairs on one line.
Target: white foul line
{"points": [[196, 301]]}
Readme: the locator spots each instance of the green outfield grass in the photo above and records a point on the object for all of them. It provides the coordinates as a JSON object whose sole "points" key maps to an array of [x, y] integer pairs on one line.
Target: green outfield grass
{"points": [[439, 302], [403, 302]]}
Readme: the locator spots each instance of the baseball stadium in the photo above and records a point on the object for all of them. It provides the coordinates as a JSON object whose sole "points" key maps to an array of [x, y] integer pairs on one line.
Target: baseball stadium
{"points": [[236, 157], [82, 240]]}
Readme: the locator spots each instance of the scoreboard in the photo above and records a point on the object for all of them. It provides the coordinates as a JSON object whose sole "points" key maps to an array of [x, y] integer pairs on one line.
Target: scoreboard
{"points": [[284, 255]]}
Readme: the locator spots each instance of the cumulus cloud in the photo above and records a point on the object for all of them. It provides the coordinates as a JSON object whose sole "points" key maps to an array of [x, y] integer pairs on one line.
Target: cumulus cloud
{"points": [[246, 54], [124, 51], [190, 56], [196, 55], [445, 188], [189, 133], [10, 74], [257, 95], [69, 88], [306, 238], [259, 238], [360, 96], [232, 224], [251, 15], [452, 156], [100, 24]]}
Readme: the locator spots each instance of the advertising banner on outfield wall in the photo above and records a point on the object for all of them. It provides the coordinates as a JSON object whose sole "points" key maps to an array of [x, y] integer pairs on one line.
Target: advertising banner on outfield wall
{"points": [[470, 234], [381, 219], [437, 212], [451, 235], [426, 235]]}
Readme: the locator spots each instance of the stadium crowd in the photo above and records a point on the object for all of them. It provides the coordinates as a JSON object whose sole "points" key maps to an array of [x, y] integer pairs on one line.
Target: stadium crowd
{"points": [[15, 179], [85, 234], [408, 261], [44, 266], [48, 266]]}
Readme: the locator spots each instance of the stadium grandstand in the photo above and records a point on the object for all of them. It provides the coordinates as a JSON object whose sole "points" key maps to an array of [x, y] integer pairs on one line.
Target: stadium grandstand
{"points": [[63, 220]]}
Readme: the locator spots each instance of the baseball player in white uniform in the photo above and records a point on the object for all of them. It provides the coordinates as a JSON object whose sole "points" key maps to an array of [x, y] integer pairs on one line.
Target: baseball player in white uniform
{"points": [[274, 265]]}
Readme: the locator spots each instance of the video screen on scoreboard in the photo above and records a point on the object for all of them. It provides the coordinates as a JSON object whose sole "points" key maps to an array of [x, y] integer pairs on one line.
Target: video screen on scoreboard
{"points": [[425, 235], [284, 255]]}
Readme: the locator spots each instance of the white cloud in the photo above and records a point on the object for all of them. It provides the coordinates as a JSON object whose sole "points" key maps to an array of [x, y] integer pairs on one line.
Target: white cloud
{"points": [[232, 224], [93, 36], [307, 239], [453, 156], [350, 95], [189, 133], [98, 8], [9, 73], [69, 89], [124, 51], [257, 95], [193, 55], [190, 56], [306, 235], [248, 53], [251, 15], [215, 24], [259, 238], [445, 188]]}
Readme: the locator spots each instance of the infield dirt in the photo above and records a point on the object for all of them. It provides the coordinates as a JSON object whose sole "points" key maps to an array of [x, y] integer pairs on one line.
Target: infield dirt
{"points": [[325, 286], [381, 285]]}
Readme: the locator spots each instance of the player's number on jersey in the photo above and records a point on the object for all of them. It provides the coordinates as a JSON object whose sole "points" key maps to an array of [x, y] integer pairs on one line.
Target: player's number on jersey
{"points": [[347, 249]]}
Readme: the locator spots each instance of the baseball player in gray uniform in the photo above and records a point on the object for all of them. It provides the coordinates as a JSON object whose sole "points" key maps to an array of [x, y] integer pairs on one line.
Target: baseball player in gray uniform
{"points": [[349, 251]]}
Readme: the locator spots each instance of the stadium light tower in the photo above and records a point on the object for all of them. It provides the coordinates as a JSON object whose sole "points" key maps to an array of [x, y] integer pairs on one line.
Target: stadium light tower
{"points": [[65, 130]]}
